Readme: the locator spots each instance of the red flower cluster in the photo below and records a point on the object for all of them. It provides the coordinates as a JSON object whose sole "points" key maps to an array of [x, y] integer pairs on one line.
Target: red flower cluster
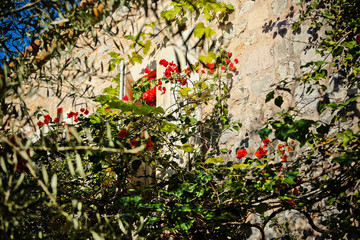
{"points": [[122, 133], [163, 62], [72, 114], [150, 96], [83, 110], [266, 142], [149, 145], [241, 153], [170, 68], [182, 81], [260, 152], [134, 143], [147, 70], [47, 119]]}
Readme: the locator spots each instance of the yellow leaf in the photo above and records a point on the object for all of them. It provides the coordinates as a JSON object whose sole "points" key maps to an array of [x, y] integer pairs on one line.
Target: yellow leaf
{"points": [[240, 165], [214, 160]]}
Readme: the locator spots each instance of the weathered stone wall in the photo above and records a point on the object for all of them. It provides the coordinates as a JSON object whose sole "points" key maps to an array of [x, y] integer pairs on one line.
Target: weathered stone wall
{"points": [[259, 35]]}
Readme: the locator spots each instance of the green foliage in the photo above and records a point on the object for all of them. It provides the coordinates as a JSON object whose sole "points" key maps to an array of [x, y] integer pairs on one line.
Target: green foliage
{"points": [[94, 178]]}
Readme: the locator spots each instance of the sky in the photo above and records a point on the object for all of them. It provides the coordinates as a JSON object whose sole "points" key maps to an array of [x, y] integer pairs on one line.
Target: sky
{"points": [[18, 29]]}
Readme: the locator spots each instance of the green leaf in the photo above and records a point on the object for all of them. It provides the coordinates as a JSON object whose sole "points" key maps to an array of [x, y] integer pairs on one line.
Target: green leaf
{"points": [[337, 51], [214, 160], [147, 47], [290, 177], [264, 133], [167, 127], [114, 54], [185, 209], [201, 30], [184, 91], [79, 165], [135, 57], [96, 236], [186, 147], [168, 15], [209, 58], [114, 103]]}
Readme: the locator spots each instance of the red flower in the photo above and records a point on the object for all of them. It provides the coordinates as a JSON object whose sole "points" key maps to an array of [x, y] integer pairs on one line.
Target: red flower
{"points": [[163, 62], [163, 90], [147, 70], [86, 112], [292, 202], [56, 120], [229, 54], [122, 133], [159, 83], [266, 141], [167, 73], [227, 60], [70, 114], [236, 60], [59, 110], [241, 153], [40, 123], [222, 68], [150, 96], [82, 109], [280, 146], [125, 98], [260, 152], [149, 145], [134, 143], [76, 119], [284, 158], [210, 65], [47, 119], [232, 67]]}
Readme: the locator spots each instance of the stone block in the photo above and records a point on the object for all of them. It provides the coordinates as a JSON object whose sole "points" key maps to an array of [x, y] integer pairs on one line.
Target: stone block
{"points": [[258, 17], [259, 59], [246, 6], [261, 85], [282, 49], [278, 6]]}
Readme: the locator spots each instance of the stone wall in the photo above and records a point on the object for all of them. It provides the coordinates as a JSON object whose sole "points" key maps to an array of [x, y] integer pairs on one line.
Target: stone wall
{"points": [[259, 35]]}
